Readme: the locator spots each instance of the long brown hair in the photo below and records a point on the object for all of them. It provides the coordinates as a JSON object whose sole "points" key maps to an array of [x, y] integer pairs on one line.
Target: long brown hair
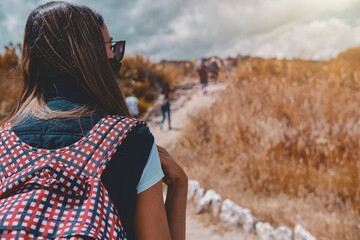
{"points": [[65, 40]]}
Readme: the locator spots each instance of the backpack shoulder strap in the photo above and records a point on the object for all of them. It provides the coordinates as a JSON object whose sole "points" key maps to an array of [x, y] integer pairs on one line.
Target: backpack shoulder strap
{"points": [[106, 139]]}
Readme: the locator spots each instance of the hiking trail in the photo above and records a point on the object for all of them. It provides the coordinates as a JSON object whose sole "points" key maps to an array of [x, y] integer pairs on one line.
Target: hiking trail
{"points": [[187, 100]]}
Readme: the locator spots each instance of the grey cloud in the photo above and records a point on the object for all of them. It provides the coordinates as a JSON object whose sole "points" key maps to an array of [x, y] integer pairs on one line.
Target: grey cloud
{"points": [[2, 16], [254, 30], [183, 29]]}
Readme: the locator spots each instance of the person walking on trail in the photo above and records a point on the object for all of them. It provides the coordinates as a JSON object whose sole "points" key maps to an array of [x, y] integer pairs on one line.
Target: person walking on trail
{"points": [[214, 69], [133, 104], [228, 66], [165, 105], [73, 164], [202, 70]]}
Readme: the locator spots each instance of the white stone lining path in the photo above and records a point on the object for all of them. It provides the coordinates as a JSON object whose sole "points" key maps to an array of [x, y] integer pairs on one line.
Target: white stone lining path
{"points": [[243, 225], [230, 213]]}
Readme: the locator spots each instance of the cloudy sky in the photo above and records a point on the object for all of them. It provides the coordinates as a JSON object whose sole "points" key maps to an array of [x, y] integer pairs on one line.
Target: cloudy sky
{"points": [[186, 29]]}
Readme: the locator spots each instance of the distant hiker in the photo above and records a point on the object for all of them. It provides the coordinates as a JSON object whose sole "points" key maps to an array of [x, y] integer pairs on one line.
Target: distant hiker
{"points": [[203, 75], [228, 66], [133, 104], [197, 64], [165, 104], [214, 69]]}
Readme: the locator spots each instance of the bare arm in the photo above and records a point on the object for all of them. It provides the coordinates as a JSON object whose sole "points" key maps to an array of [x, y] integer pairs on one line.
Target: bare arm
{"points": [[153, 219], [176, 198], [176, 209], [150, 221]]}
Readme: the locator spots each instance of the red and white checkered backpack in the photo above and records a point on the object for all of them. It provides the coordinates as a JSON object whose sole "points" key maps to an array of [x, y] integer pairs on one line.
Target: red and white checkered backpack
{"points": [[58, 193]]}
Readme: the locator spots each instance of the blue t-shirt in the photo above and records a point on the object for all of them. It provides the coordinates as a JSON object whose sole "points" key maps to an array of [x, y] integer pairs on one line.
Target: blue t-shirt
{"points": [[152, 172], [132, 103]]}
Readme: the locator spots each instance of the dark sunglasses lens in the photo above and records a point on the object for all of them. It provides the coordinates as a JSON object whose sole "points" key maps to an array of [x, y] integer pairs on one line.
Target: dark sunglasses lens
{"points": [[119, 50]]}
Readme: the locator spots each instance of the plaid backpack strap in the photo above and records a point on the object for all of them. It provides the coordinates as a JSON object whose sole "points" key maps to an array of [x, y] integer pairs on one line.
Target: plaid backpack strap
{"points": [[108, 137]]}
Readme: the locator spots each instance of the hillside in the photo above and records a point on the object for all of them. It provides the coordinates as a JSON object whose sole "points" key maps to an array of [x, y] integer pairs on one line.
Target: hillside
{"points": [[282, 140]]}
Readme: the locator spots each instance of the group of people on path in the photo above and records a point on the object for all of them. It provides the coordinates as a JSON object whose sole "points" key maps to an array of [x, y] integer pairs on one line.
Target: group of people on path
{"points": [[208, 69]]}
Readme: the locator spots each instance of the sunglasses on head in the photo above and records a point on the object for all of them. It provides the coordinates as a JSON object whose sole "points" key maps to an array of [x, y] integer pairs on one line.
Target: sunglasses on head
{"points": [[118, 48]]}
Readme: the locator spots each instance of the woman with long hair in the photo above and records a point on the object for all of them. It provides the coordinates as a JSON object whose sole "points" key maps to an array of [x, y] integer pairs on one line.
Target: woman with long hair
{"points": [[73, 164]]}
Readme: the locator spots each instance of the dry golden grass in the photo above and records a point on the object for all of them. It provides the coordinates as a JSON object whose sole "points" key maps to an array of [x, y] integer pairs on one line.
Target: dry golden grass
{"points": [[9, 89], [283, 140]]}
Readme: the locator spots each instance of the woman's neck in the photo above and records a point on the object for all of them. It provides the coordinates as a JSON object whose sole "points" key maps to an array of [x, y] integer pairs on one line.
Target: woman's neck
{"points": [[66, 88]]}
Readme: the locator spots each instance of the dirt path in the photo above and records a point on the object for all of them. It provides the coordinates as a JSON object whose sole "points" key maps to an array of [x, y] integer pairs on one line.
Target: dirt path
{"points": [[187, 103]]}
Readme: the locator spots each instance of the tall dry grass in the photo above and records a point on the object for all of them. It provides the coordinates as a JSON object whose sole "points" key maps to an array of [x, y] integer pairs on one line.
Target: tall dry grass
{"points": [[283, 139]]}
